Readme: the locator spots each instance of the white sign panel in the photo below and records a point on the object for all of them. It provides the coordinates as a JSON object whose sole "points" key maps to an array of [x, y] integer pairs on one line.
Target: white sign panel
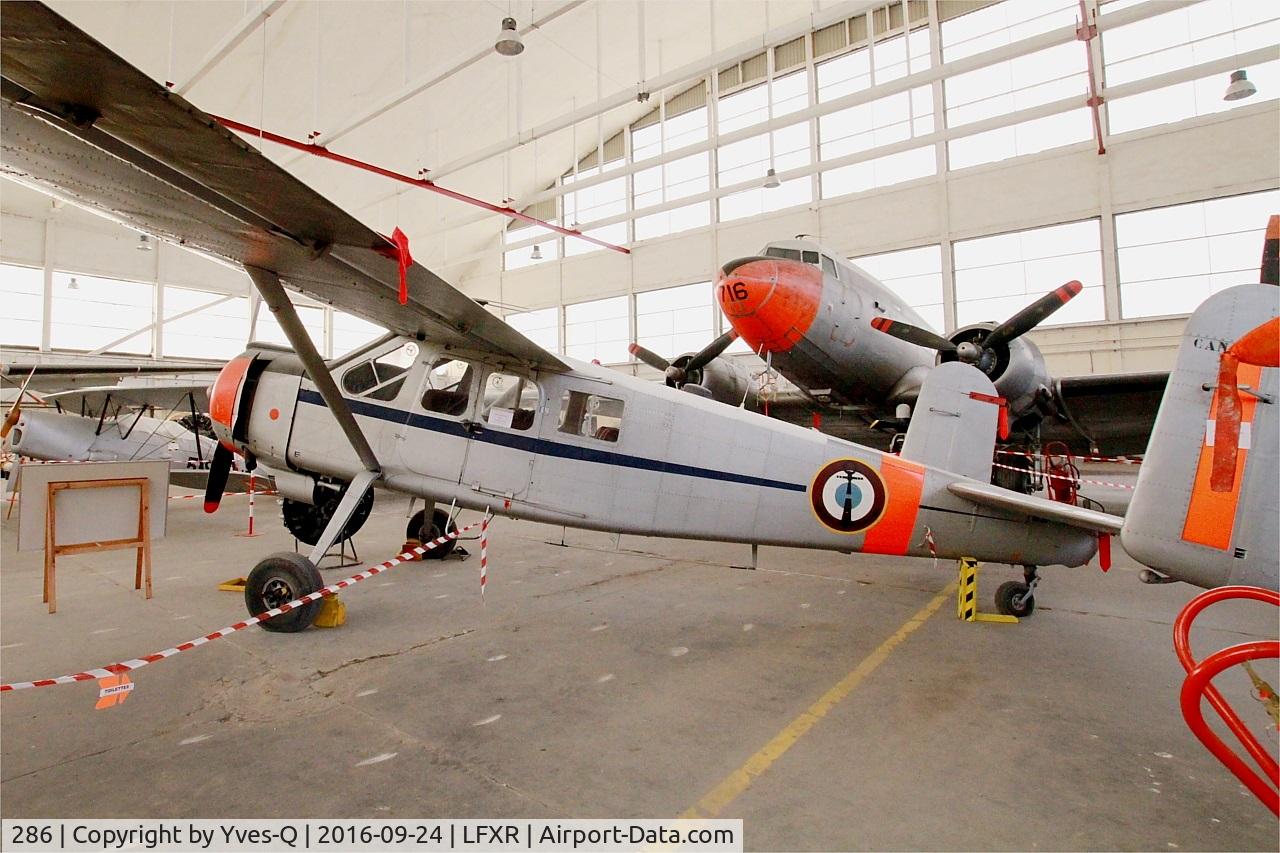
{"points": [[90, 515]]}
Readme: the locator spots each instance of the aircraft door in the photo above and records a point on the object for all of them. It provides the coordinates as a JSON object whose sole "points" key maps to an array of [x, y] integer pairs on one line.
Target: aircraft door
{"points": [[434, 441], [500, 457]]}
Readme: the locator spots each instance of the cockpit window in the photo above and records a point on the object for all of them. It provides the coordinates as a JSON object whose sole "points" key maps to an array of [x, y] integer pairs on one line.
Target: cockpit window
{"points": [[829, 267], [380, 378], [804, 256]]}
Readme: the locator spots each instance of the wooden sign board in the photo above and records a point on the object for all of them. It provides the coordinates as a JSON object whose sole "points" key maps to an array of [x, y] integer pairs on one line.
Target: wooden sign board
{"points": [[90, 515]]}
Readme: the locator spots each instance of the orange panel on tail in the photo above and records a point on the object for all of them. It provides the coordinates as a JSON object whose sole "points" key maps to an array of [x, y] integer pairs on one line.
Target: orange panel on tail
{"points": [[1211, 515], [904, 482]]}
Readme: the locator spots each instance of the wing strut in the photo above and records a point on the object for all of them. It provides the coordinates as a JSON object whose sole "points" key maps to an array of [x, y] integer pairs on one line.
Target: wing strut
{"points": [[268, 284]]}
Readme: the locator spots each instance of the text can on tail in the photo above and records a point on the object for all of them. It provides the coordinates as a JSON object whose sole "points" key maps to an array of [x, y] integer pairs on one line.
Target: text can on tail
{"points": [[1205, 507]]}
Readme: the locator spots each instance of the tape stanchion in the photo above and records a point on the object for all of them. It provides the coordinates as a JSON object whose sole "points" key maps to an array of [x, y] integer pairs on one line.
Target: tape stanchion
{"points": [[484, 553], [331, 589]]}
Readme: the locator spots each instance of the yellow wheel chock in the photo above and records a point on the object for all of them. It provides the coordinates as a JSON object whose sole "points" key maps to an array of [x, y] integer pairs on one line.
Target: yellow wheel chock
{"points": [[967, 596], [233, 585]]}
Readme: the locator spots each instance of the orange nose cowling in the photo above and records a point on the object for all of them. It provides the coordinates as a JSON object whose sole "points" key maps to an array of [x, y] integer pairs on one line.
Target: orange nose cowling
{"points": [[222, 397], [771, 302]]}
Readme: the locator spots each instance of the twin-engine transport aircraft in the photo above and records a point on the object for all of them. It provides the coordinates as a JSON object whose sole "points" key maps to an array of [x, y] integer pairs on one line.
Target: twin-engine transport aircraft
{"points": [[851, 343], [453, 404]]}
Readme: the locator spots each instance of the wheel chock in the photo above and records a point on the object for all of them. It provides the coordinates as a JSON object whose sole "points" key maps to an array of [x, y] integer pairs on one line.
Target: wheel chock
{"points": [[409, 545], [333, 613], [967, 596], [233, 585]]}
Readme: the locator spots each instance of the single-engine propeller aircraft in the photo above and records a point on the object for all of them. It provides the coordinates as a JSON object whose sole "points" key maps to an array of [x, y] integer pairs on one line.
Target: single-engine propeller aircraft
{"points": [[453, 405]]}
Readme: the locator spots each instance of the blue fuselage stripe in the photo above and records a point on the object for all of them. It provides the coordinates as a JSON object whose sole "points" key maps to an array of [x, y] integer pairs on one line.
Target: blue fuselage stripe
{"points": [[543, 447]]}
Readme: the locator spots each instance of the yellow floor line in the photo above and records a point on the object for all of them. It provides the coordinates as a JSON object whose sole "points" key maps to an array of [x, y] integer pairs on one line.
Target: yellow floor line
{"points": [[739, 780]]}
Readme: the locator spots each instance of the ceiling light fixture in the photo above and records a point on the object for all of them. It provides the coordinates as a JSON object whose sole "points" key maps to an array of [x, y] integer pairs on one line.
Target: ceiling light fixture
{"points": [[73, 284], [509, 42], [771, 181], [144, 243], [1240, 87], [537, 253]]}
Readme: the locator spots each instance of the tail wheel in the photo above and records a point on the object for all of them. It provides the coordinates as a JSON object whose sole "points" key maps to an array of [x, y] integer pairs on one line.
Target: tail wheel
{"points": [[308, 521], [277, 580], [440, 525]]}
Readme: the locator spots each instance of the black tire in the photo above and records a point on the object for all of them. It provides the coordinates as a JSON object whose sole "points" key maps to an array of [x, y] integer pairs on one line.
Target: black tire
{"points": [[281, 578], [1012, 599], [440, 524], [307, 521]]}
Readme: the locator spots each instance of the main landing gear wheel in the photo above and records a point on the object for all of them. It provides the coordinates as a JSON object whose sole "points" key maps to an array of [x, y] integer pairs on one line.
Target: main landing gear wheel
{"points": [[440, 525], [277, 580], [1018, 598], [308, 521]]}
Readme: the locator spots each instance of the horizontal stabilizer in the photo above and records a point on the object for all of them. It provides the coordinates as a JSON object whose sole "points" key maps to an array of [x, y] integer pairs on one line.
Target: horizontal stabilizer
{"points": [[1075, 516]]}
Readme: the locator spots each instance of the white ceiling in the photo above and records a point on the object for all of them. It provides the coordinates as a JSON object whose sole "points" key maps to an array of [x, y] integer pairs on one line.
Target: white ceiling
{"points": [[327, 62]]}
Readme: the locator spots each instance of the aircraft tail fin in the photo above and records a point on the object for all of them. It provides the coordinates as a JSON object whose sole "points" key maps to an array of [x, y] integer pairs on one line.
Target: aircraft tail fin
{"points": [[955, 421], [1205, 507]]}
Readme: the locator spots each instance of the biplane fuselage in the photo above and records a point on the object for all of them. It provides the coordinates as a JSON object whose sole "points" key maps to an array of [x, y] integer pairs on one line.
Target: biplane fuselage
{"points": [[594, 449]]}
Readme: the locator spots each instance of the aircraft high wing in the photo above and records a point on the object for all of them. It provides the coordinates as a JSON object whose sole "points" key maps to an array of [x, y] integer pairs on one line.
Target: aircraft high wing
{"points": [[120, 143], [848, 341]]}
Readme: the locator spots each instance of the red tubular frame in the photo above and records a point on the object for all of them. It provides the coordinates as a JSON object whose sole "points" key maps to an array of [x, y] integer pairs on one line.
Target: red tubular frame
{"points": [[421, 183], [1199, 685]]}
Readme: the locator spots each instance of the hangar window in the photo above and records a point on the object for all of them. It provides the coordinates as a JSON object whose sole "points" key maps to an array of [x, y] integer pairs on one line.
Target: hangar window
{"points": [[682, 121], [1181, 38], [22, 289], [214, 328], [542, 327], [1172, 258], [590, 415], [914, 275], [509, 401], [268, 331], [877, 123], [998, 276], [90, 312], [448, 387], [350, 333], [675, 320], [592, 203], [600, 329], [380, 378], [1016, 84], [748, 160]]}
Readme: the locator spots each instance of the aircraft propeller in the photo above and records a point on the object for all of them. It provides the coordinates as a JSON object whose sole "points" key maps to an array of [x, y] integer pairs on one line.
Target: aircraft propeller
{"points": [[678, 372], [15, 411], [981, 350], [219, 470]]}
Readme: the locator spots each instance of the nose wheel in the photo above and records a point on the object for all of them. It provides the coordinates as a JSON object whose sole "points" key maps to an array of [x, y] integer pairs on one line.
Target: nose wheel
{"points": [[439, 526], [1018, 598]]}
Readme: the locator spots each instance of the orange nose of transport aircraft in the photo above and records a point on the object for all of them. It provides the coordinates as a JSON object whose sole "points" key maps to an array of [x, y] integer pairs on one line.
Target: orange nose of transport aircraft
{"points": [[771, 302]]}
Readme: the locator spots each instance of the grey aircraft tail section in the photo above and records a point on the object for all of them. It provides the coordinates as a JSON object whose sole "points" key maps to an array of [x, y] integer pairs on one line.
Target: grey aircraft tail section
{"points": [[1185, 521], [954, 423]]}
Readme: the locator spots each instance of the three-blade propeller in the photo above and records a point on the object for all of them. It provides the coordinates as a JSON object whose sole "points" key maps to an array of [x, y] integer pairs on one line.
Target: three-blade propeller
{"points": [[979, 351], [678, 373]]}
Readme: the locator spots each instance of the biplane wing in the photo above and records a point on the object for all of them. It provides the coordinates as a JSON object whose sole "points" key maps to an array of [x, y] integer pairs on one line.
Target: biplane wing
{"points": [[82, 123]]}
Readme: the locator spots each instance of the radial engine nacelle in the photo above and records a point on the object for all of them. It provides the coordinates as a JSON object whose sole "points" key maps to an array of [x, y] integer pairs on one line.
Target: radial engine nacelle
{"points": [[1016, 367]]}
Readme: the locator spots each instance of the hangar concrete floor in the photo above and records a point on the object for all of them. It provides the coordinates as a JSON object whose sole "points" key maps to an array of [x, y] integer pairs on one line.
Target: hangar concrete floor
{"points": [[636, 682]]}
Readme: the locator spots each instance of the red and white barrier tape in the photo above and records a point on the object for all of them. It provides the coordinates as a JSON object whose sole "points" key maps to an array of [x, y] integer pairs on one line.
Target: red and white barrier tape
{"points": [[331, 589], [1135, 459], [1061, 477], [484, 554]]}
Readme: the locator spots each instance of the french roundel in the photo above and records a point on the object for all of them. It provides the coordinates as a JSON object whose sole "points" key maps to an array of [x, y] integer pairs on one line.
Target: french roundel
{"points": [[848, 496]]}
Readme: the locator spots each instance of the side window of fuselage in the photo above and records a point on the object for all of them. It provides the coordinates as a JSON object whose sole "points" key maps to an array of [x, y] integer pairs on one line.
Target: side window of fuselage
{"points": [[448, 389], [509, 401], [382, 377], [829, 267], [591, 415]]}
